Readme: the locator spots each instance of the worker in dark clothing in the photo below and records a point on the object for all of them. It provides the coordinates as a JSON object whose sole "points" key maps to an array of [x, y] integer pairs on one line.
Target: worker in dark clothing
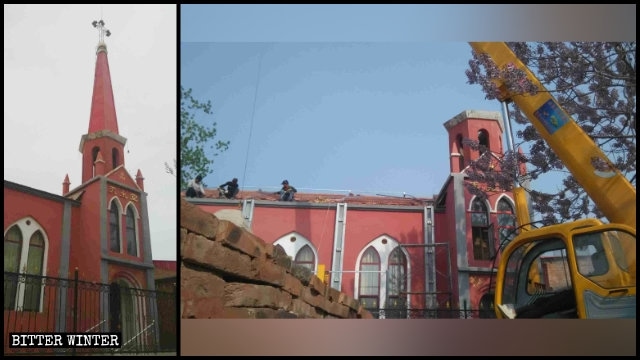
{"points": [[231, 190], [287, 192]]}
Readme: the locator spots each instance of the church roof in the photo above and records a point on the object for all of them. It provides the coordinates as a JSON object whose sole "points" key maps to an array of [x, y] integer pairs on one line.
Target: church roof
{"points": [[355, 199]]}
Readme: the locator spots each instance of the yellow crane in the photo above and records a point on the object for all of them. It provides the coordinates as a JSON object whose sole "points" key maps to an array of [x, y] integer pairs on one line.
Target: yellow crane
{"points": [[582, 269]]}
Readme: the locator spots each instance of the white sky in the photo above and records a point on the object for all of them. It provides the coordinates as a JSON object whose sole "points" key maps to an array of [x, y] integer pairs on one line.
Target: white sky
{"points": [[49, 64]]}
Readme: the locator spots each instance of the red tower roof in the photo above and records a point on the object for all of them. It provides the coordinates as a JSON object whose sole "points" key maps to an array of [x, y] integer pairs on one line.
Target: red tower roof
{"points": [[103, 109]]}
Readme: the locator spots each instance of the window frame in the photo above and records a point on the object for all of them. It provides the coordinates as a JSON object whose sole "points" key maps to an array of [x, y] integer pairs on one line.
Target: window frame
{"points": [[480, 236], [131, 210], [385, 245], [28, 228], [309, 264], [119, 211], [504, 228], [291, 243], [377, 297]]}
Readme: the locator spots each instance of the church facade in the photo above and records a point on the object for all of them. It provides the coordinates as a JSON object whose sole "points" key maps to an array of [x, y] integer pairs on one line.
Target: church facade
{"points": [[402, 257], [81, 261]]}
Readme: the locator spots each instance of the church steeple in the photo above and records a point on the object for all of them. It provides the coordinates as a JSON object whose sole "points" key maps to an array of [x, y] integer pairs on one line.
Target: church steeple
{"points": [[103, 110], [103, 136]]}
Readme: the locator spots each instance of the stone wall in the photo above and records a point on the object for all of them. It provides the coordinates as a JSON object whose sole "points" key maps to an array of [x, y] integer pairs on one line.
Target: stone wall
{"points": [[228, 272]]}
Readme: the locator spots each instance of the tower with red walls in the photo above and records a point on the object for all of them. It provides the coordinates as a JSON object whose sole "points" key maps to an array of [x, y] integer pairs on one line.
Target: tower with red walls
{"points": [[111, 243], [474, 226], [100, 229]]}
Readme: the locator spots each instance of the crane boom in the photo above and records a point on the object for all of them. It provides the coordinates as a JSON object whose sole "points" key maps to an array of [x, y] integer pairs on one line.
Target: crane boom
{"points": [[582, 269], [612, 193]]}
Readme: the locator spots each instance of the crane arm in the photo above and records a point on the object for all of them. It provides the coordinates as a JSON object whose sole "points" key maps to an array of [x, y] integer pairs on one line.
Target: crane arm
{"points": [[608, 188]]}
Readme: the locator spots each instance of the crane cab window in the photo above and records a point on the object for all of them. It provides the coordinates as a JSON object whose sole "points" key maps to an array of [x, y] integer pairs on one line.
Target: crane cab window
{"points": [[535, 269], [606, 258], [544, 286], [548, 273]]}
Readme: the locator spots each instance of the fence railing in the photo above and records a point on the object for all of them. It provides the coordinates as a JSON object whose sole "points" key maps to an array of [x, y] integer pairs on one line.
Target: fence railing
{"points": [[147, 319], [437, 313]]}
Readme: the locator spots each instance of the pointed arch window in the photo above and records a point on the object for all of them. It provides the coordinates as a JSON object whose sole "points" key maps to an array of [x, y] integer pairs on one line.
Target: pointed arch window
{"points": [[114, 157], [114, 227], [480, 230], [306, 258], [369, 286], [383, 280], [506, 221], [25, 251], [396, 301], [131, 236], [35, 259], [94, 156], [12, 254], [299, 249], [278, 250], [483, 141], [460, 150]]}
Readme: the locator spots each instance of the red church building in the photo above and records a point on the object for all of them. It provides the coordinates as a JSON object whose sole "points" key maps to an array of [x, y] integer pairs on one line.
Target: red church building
{"points": [[402, 257], [80, 261]]}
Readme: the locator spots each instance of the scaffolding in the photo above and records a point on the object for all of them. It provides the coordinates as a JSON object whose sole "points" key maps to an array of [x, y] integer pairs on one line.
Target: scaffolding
{"points": [[432, 273], [431, 293]]}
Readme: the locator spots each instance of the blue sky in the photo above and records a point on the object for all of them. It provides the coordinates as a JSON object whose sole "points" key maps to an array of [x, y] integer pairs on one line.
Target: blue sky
{"points": [[345, 97], [365, 117]]}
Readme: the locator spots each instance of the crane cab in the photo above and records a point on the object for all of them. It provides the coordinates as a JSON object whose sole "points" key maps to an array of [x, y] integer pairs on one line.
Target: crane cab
{"points": [[583, 269]]}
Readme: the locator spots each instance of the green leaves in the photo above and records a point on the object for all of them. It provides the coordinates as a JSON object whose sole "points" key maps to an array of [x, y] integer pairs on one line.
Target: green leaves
{"points": [[197, 141]]}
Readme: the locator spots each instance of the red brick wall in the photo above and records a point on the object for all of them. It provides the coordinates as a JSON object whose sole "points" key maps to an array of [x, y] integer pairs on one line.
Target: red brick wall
{"points": [[228, 272]]}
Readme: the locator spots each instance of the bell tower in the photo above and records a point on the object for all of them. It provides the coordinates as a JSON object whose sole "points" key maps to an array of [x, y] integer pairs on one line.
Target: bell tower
{"points": [[486, 127], [102, 139]]}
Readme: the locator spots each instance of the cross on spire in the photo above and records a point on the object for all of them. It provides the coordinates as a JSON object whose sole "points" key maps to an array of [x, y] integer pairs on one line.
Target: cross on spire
{"points": [[102, 31]]}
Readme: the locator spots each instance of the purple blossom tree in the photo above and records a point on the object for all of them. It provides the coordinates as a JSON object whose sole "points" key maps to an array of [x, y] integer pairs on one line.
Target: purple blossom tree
{"points": [[595, 83]]}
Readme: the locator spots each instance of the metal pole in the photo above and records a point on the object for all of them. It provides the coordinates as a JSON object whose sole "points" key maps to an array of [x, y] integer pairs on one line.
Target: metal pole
{"points": [[75, 304], [523, 216], [450, 277], [507, 126]]}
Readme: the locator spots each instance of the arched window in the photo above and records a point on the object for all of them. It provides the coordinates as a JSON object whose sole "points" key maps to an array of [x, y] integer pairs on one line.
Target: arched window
{"points": [[114, 226], [35, 259], [25, 253], [506, 221], [482, 246], [114, 157], [460, 148], [12, 254], [483, 141], [383, 279], [306, 258], [369, 287], [132, 243], [278, 250], [396, 285], [94, 156], [300, 249]]}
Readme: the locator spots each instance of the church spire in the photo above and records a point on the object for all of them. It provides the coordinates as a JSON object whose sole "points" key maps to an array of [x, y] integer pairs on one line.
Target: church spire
{"points": [[103, 137], [103, 110]]}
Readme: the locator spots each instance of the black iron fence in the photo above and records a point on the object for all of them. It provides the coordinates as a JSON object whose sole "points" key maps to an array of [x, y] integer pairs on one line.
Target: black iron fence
{"points": [[437, 313], [146, 319]]}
